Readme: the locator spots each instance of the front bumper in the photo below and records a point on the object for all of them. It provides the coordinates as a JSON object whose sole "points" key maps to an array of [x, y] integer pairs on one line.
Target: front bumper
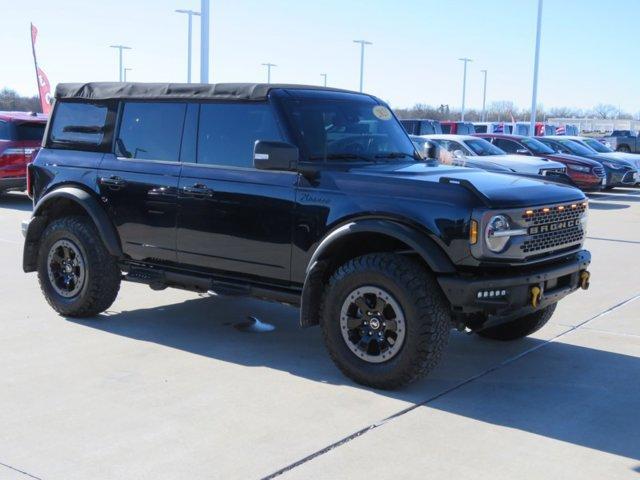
{"points": [[555, 281], [13, 183], [622, 178]]}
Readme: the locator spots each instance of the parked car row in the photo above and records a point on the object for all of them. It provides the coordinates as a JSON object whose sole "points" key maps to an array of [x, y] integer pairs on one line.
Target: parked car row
{"points": [[581, 161], [429, 127]]}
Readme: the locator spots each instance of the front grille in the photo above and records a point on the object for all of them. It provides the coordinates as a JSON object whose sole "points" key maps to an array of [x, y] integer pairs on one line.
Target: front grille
{"points": [[555, 236], [552, 171], [598, 172]]}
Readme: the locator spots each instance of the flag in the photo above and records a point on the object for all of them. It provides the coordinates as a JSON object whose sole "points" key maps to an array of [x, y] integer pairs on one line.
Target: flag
{"points": [[561, 130], [44, 88], [500, 128]]}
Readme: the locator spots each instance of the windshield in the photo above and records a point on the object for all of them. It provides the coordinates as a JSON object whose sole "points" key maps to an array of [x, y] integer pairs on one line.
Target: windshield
{"points": [[597, 146], [348, 130], [483, 148], [575, 147], [536, 146]]}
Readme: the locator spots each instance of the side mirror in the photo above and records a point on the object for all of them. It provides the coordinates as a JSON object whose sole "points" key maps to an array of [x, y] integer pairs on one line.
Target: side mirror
{"points": [[268, 155], [458, 154], [523, 151]]}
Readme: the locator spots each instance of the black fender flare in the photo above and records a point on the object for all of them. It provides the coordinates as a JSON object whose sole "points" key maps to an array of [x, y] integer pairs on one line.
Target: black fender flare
{"points": [[419, 242], [91, 206]]}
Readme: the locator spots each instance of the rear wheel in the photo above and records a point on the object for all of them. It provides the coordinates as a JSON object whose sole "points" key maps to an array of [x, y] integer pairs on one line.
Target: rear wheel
{"points": [[77, 275], [385, 321], [623, 149], [520, 327]]}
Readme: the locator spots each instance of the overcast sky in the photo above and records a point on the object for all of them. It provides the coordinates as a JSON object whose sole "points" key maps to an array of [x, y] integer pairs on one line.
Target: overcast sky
{"points": [[588, 52]]}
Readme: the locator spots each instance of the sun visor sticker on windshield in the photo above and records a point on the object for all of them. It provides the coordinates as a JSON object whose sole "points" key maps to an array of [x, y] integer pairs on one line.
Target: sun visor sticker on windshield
{"points": [[381, 112]]}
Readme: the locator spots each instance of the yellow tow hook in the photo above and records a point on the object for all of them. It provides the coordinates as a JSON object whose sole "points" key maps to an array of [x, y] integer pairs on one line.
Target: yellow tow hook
{"points": [[584, 279], [536, 293]]}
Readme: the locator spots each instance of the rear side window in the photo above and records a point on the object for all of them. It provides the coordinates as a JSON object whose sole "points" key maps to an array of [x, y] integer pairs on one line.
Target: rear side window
{"points": [[228, 131], [151, 131], [79, 123], [446, 128], [29, 131], [506, 145]]}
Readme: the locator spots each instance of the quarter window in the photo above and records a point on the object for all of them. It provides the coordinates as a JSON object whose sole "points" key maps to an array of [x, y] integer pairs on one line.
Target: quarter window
{"points": [[151, 131], [79, 123], [228, 132]]}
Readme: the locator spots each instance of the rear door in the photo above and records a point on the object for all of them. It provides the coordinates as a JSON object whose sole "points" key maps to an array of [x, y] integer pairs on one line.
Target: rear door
{"points": [[233, 218], [139, 183]]}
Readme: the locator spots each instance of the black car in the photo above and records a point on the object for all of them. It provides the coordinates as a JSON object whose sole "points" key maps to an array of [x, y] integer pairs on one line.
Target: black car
{"points": [[619, 173], [421, 127], [309, 196]]}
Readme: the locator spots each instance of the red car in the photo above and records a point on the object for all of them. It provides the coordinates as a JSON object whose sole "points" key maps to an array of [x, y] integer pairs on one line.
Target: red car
{"points": [[20, 136], [457, 128], [586, 174]]}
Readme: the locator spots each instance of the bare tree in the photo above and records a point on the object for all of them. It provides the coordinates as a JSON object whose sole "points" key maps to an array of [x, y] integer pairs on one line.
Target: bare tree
{"points": [[605, 110], [10, 100]]}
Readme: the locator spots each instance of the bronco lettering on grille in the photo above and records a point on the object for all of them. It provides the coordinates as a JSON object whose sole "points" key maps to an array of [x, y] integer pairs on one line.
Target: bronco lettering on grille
{"points": [[552, 227]]}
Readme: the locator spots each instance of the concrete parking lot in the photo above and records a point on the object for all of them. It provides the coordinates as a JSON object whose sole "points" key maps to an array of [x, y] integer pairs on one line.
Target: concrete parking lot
{"points": [[164, 386]]}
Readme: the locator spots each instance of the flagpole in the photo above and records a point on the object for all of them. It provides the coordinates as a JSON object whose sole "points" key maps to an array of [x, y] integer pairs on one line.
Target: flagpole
{"points": [[35, 64]]}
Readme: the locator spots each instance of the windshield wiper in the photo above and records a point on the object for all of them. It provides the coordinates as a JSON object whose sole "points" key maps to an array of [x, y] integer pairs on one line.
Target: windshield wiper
{"points": [[341, 156], [396, 155]]}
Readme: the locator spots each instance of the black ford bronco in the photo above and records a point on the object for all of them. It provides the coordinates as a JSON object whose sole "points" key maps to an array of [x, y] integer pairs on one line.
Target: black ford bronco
{"points": [[309, 196]]}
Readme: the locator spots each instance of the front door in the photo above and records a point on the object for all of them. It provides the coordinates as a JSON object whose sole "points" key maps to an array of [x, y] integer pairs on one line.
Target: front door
{"points": [[234, 219], [139, 183]]}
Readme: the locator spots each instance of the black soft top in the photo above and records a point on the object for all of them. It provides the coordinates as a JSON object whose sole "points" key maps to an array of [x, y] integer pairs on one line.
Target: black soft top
{"points": [[147, 91]]}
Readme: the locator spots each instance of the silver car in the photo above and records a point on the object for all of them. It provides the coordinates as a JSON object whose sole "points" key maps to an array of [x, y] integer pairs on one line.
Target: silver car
{"points": [[466, 148]]}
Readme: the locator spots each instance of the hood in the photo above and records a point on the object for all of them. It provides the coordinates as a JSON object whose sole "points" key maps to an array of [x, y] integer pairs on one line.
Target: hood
{"points": [[521, 163], [631, 158], [573, 159], [501, 190], [614, 158]]}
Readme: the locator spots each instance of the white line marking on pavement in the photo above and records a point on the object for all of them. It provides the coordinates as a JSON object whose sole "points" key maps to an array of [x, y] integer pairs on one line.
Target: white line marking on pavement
{"points": [[504, 363]]}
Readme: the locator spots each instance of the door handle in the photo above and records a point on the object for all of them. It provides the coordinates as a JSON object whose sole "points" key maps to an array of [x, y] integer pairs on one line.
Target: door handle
{"points": [[197, 190], [113, 182]]}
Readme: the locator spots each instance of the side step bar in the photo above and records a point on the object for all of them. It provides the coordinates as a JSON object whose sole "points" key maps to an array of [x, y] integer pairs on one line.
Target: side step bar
{"points": [[159, 279]]}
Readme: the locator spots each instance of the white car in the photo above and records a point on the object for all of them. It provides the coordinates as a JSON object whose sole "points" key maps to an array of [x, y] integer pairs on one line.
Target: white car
{"points": [[477, 149]]}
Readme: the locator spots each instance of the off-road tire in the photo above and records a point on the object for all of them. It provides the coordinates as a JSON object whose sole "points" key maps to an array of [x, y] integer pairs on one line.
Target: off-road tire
{"points": [[521, 327], [103, 275], [426, 314]]}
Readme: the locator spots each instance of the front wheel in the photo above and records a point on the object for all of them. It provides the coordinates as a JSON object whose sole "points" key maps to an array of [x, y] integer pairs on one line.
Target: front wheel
{"points": [[385, 320], [77, 275], [521, 327]]}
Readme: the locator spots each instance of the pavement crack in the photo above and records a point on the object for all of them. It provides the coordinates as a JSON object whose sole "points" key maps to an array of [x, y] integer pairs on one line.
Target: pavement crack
{"points": [[613, 240], [19, 471], [451, 389]]}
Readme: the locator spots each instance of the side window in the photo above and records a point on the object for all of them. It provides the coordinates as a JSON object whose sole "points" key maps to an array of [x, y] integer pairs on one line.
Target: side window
{"points": [[151, 131], [506, 145], [446, 128], [5, 131], [228, 131], [79, 123], [481, 129]]}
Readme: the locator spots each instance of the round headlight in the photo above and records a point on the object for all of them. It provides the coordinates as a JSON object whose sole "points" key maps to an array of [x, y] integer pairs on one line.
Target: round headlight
{"points": [[496, 242]]}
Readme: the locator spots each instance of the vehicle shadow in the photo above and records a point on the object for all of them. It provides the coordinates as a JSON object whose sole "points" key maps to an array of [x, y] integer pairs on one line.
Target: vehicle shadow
{"points": [[15, 201], [607, 206], [580, 395]]}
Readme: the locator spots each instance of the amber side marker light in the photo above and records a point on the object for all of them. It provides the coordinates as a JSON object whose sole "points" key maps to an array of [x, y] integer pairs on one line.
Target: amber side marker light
{"points": [[473, 232]]}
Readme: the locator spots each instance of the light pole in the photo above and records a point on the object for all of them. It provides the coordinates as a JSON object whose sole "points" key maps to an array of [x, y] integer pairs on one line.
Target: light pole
{"points": [[324, 77], [362, 45], [126, 69], [204, 41], [464, 85], [534, 95], [120, 48], [484, 97], [269, 65], [190, 14]]}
